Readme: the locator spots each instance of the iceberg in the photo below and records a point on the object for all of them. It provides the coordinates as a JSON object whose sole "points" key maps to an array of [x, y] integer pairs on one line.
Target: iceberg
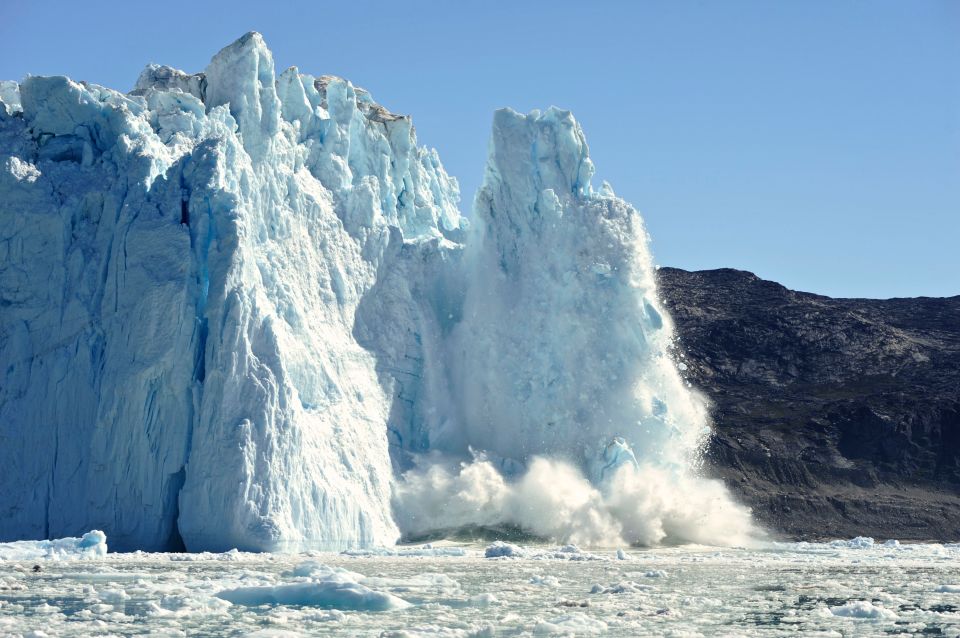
{"points": [[93, 544], [323, 594], [243, 310]]}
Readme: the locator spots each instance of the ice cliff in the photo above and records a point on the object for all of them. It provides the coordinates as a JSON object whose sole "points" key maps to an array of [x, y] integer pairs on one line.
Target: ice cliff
{"points": [[242, 310]]}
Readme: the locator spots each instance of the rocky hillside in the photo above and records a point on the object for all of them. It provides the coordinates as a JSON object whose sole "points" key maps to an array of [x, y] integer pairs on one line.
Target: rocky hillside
{"points": [[832, 417]]}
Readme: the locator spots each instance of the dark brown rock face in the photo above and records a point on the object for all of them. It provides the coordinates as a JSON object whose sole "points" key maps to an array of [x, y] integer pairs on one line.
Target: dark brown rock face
{"points": [[832, 417]]}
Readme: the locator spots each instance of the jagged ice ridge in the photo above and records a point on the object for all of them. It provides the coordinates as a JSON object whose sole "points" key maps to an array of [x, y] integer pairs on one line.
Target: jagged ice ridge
{"points": [[243, 310]]}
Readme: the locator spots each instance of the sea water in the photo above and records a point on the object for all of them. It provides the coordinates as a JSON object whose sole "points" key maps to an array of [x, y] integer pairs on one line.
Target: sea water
{"points": [[848, 588]]}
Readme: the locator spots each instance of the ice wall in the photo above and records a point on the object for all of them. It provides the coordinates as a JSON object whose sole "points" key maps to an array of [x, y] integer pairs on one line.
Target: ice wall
{"points": [[242, 310], [182, 269]]}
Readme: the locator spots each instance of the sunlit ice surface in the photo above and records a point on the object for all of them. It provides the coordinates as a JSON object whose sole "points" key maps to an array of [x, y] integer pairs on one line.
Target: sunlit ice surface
{"points": [[849, 588]]}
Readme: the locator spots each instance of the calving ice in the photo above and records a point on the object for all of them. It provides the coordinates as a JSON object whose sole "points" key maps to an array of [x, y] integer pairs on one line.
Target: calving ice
{"points": [[243, 310]]}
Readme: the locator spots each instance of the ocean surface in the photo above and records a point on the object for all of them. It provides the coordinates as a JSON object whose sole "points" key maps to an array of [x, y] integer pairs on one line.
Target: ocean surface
{"points": [[845, 588]]}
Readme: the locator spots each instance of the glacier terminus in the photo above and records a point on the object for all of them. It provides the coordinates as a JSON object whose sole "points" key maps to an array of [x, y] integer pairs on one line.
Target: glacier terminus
{"points": [[243, 310]]}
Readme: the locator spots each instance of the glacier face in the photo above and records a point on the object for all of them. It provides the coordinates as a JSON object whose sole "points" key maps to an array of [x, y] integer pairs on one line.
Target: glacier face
{"points": [[242, 310]]}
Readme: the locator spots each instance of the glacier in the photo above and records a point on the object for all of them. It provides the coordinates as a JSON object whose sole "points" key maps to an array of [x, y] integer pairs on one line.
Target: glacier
{"points": [[242, 310]]}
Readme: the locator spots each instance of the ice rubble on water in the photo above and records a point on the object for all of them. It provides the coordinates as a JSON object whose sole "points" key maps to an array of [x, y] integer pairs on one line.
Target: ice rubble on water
{"points": [[243, 310], [93, 544]]}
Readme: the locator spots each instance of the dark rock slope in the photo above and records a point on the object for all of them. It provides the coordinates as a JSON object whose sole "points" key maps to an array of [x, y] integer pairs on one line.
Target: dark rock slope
{"points": [[832, 417]]}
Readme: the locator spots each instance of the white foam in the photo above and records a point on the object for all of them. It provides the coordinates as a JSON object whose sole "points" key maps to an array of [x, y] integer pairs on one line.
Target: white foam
{"points": [[555, 500]]}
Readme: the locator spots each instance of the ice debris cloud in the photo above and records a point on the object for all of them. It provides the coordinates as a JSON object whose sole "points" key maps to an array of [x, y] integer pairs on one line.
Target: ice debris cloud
{"points": [[242, 309]]}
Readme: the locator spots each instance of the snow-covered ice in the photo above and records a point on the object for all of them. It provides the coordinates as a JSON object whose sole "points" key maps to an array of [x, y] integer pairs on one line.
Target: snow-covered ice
{"points": [[768, 590], [242, 310]]}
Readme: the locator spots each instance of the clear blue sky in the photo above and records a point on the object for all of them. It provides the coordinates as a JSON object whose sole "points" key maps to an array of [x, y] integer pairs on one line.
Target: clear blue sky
{"points": [[816, 143]]}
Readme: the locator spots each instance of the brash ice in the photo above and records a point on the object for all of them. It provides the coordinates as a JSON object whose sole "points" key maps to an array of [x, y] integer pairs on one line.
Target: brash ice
{"points": [[242, 310]]}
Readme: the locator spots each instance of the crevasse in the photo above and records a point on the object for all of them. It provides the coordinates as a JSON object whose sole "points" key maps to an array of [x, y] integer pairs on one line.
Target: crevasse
{"points": [[242, 310]]}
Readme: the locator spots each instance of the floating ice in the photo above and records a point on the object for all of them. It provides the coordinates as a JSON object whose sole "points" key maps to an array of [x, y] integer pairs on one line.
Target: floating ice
{"points": [[326, 594], [483, 600], [425, 550], [327, 588], [863, 609], [91, 545], [575, 624], [624, 587], [712, 591], [500, 549], [860, 542], [546, 581]]}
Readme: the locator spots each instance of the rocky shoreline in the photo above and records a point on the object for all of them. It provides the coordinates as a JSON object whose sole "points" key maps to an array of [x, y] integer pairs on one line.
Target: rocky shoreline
{"points": [[832, 417]]}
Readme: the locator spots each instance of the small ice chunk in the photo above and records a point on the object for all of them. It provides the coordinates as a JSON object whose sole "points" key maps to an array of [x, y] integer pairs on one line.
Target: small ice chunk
{"points": [[860, 542], [483, 600], [622, 555], [863, 609], [500, 549], [318, 571], [114, 596], [576, 623], [22, 171], [424, 550], [546, 581], [45, 608], [94, 541], [948, 589], [328, 588], [624, 587], [326, 594]]}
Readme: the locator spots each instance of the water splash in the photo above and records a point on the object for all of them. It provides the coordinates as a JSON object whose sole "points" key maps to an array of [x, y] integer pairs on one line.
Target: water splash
{"points": [[562, 377]]}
